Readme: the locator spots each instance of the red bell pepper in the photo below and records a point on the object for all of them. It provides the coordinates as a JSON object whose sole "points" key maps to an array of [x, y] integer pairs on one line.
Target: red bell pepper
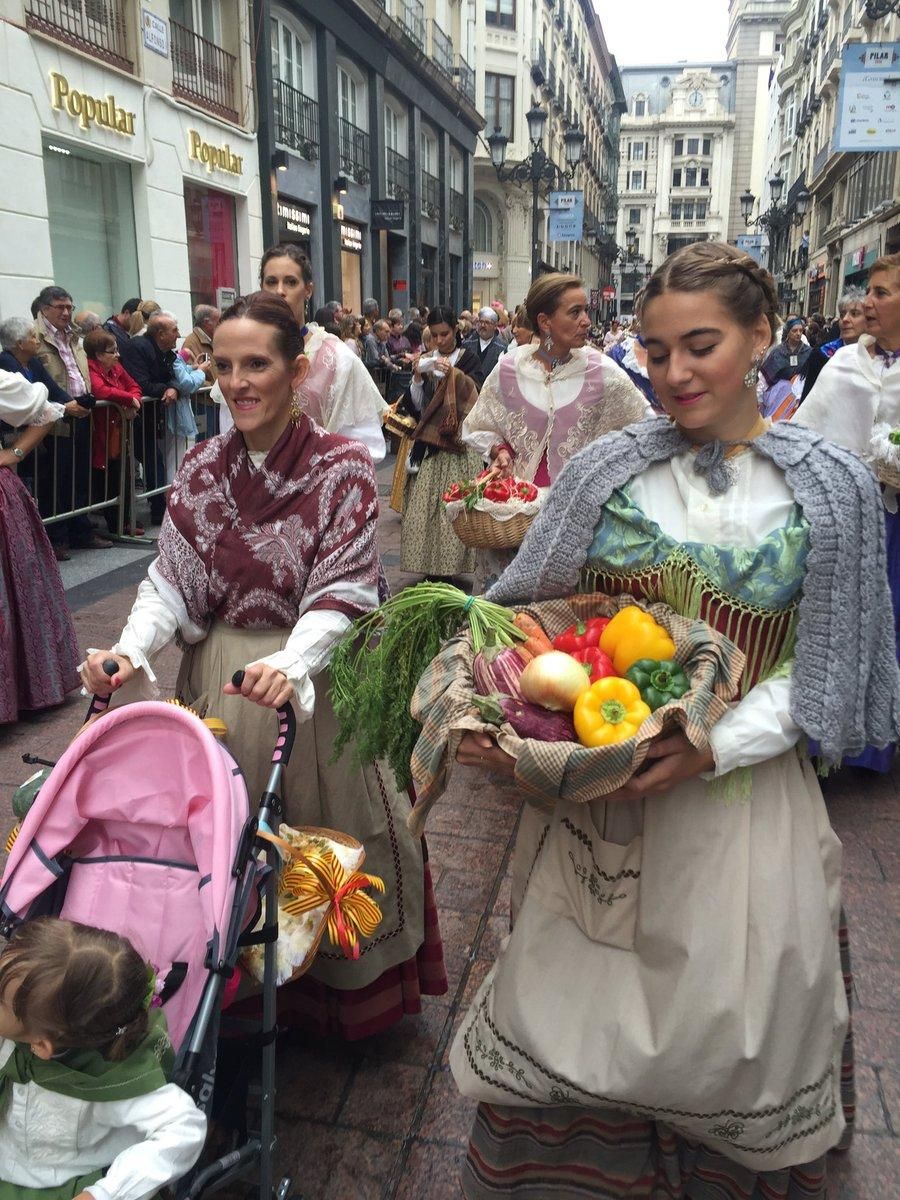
{"points": [[581, 636], [600, 665]]}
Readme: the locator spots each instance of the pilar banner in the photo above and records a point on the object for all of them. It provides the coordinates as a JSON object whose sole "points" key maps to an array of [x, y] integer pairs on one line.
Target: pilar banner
{"points": [[869, 97], [566, 216]]}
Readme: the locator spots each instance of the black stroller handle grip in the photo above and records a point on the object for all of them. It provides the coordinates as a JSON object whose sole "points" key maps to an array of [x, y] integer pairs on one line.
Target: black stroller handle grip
{"points": [[99, 704], [287, 727]]}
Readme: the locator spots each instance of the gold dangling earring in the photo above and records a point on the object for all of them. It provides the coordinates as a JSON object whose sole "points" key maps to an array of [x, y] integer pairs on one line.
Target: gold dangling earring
{"points": [[296, 409]]}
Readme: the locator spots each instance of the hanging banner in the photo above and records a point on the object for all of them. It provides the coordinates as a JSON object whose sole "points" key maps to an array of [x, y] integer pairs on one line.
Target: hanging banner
{"points": [[566, 216], [869, 98]]}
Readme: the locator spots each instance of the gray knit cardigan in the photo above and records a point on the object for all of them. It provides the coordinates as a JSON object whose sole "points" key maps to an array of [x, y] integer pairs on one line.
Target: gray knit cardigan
{"points": [[845, 690]]}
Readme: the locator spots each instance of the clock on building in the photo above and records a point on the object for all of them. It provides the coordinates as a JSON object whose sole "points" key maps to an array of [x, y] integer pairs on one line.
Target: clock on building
{"points": [[695, 99]]}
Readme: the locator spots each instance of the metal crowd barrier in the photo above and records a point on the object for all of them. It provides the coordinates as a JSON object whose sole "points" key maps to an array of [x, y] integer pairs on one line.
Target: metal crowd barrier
{"points": [[139, 461]]}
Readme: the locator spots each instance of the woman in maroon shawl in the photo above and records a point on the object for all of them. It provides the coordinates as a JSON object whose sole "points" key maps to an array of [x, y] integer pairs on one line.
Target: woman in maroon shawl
{"points": [[267, 553]]}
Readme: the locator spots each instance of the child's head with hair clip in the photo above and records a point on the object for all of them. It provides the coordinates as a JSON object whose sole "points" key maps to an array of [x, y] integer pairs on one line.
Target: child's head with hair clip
{"points": [[67, 986]]}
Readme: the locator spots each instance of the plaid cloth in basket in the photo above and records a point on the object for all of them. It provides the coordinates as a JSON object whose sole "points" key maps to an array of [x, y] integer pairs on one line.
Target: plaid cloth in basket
{"points": [[547, 771]]}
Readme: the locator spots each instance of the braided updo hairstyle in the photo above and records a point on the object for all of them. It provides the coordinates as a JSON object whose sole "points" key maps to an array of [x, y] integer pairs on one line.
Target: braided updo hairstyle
{"points": [[746, 289], [77, 986]]}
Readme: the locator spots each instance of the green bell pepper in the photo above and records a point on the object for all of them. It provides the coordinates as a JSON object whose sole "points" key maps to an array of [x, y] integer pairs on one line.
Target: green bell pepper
{"points": [[658, 682]]}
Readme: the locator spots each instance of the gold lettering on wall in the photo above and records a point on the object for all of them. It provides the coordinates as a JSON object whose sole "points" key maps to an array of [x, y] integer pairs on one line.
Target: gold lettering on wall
{"points": [[214, 158], [90, 110]]}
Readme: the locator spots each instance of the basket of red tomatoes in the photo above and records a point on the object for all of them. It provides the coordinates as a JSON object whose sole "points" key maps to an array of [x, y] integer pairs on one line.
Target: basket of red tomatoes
{"points": [[491, 513]]}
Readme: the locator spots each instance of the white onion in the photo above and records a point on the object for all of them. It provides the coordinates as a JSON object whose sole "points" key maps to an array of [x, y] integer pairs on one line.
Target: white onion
{"points": [[554, 681]]}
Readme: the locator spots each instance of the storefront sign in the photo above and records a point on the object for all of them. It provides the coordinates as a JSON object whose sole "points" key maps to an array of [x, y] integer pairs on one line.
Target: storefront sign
{"points": [[595, 298], [388, 214], [214, 158], [156, 33], [294, 219], [399, 285], [566, 217], [869, 98], [351, 238], [609, 293], [90, 110], [484, 267]]}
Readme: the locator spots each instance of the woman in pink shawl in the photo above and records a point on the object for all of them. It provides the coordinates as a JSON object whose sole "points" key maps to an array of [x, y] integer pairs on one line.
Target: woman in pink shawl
{"points": [[338, 392], [266, 555]]}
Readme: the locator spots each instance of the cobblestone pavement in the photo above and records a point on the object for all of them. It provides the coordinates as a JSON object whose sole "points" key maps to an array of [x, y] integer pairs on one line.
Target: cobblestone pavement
{"points": [[382, 1120]]}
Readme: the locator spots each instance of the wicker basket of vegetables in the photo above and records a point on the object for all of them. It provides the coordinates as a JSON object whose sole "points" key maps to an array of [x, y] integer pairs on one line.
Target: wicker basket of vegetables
{"points": [[575, 690], [579, 700], [490, 513]]}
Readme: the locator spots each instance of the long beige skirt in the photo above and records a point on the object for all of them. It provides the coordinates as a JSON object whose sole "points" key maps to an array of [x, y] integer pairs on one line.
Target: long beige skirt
{"points": [[362, 801]]}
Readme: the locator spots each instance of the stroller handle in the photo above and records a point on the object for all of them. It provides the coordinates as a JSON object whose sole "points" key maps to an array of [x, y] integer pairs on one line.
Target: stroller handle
{"points": [[287, 728], [99, 704]]}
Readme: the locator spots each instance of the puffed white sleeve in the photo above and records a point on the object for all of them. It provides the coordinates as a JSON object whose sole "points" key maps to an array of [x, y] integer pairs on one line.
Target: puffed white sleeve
{"points": [[25, 403], [225, 418], [152, 624], [484, 426], [172, 1130], [756, 728], [307, 652]]}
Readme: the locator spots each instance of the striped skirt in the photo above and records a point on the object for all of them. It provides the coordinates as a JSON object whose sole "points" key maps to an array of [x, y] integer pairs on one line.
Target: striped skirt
{"points": [[569, 1153]]}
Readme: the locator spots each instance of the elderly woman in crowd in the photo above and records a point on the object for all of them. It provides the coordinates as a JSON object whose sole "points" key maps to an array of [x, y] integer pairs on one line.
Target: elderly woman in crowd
{"points": [[852, 325], [856, 403], [266, 555], [38, 652], [783, 370]]}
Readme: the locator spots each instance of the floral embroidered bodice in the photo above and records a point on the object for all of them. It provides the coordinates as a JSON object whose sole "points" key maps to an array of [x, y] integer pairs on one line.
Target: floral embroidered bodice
{"points": [[749, 594]]}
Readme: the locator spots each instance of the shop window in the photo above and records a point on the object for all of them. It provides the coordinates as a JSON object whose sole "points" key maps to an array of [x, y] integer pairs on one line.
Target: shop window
{"points": [[92, 233], [211, 242], [501, 13]]}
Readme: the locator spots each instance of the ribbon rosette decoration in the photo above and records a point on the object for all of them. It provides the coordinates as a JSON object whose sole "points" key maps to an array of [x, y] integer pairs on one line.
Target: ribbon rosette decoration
{"points": [[314, 877]]}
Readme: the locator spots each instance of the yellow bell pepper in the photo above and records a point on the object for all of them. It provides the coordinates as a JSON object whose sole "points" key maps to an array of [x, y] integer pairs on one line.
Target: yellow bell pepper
{"points": [[611, 710], [633, 634]]}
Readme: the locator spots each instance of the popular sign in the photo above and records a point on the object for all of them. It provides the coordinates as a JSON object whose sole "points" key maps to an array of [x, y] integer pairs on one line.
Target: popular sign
{"points": [[214, 158], [90, 110]]}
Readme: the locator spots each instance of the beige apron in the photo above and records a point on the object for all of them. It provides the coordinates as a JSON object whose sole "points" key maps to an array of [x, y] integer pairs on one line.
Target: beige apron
{"points": [[676, 957], [361, 801]]}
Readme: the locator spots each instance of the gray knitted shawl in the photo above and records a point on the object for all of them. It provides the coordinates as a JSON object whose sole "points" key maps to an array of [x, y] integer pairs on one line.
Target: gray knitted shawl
{"points": [[845, 689]]}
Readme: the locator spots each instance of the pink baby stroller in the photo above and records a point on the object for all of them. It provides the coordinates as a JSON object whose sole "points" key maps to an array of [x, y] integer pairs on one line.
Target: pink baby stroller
{"points": [[143, 827]]}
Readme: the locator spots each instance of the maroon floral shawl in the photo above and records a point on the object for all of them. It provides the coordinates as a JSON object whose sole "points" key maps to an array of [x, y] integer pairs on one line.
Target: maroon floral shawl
{"points": [[255, 548]]}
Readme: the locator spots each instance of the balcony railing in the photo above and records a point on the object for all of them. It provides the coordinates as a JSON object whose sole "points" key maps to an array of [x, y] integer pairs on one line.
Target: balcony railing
{"points": [[411, 15], [538, 63], [465, 78], [296, 120], [441, 49], [431, 194], [94, 26], [353, 146], [397, 174], [202, 72], [457, 210]]}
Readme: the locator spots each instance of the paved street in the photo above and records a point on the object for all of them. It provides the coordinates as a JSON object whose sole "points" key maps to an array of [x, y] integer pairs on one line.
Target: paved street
{"points": [[382, 1120]]}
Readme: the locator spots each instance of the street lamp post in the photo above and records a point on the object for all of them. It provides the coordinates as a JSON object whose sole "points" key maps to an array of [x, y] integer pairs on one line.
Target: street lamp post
{"points": [[608, 252], [778, 217], [538, 168]]}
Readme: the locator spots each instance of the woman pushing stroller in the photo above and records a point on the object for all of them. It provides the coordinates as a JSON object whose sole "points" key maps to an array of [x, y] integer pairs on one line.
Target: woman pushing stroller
{"points": [[85, 1109], [267, 553]]}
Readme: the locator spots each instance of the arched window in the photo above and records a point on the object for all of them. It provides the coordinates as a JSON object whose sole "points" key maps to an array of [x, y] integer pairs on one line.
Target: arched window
{"points": [[351, 94], [292, 54], [484, 228]]}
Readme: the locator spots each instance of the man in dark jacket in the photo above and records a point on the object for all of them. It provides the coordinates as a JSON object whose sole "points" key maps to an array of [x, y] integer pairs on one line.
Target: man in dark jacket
{"points": [[485, 341], [148, 359], [119, 323]]}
